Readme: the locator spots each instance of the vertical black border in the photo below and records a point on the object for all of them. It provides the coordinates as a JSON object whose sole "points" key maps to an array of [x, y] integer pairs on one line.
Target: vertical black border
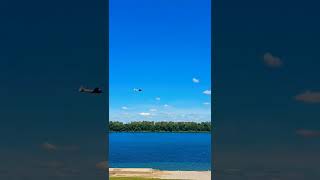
{"points": [[107, 88], [212, 94]]}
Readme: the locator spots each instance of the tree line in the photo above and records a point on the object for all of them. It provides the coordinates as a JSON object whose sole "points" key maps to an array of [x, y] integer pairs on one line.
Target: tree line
{"points": [[164, 126]]}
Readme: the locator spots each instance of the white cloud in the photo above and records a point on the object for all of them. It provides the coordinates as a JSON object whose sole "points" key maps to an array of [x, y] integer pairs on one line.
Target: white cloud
{"points": [[308, 133], [206, 103], [166, 105], [169, 113], [144, 114], [195, 80], [153, 110], [158, 98], [207, 92], [178, 114], [308, 97], [271, 60], [49, 147], [124, 107]]}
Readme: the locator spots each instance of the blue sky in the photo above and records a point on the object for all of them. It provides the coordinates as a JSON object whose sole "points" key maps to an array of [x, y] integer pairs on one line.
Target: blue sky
{"points": [[160, 46]]}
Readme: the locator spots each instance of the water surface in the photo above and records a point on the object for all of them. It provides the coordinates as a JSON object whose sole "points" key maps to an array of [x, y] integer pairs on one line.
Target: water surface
{"points": [[164, 151]]}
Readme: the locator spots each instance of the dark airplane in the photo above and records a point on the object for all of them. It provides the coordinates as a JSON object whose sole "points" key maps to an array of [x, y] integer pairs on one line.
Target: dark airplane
{"points": [[92, 91]]}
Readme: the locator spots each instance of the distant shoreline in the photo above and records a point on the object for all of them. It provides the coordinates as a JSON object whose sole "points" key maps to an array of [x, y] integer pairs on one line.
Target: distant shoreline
{"points": [[159, 126]]}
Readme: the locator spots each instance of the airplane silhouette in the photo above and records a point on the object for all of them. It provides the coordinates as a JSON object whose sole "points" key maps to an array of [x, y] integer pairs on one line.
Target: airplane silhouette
{"points": [[92, 91]]}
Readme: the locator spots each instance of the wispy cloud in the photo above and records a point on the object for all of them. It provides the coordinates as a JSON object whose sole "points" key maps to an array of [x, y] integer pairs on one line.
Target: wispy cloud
{"points": [[206, 103], [195, 80], [308, 97], [53, 147], [171, 113], [271, 60], [124, 107], [308, 133], [184, 115], [158, 98], [207, 92], [164, 112], [145, 114], [49, 147]]}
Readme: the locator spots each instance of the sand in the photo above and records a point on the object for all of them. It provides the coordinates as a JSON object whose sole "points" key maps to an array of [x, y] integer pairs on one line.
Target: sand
{"points": [[153, 173]]}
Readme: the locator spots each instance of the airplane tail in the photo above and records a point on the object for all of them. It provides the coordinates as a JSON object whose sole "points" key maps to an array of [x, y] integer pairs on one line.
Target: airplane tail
{"points": [[81, 89]]}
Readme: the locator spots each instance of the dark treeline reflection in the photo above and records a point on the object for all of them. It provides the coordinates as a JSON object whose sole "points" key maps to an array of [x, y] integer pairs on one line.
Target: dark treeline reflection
{"points": [[164, 126]]}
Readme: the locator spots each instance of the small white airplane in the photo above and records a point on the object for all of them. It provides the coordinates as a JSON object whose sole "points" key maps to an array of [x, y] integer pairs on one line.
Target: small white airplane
{"points": [[137, 90], [92, 91]]}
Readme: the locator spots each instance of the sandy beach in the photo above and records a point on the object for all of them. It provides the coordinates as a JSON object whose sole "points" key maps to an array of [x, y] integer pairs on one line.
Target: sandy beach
{"points": [[153, 173]]}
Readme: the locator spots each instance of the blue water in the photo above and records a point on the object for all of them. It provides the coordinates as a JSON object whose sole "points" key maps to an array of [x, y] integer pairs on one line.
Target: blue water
{"points": [[164, 151]]}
